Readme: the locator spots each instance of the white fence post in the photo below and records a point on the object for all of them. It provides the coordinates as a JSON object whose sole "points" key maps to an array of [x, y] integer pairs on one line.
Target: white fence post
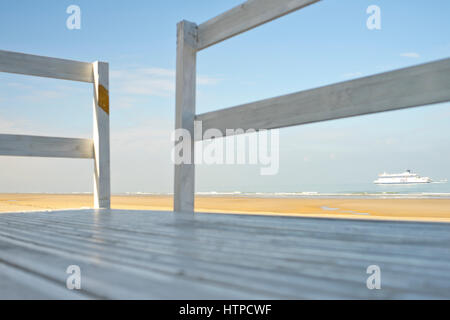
{"points": [[102, 180], [184, 182]]}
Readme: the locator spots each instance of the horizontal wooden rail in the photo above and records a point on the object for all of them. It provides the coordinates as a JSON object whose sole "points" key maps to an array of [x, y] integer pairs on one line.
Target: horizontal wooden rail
{"points": [[27, 64], [410, 87], [37, 146], [245, 17]]}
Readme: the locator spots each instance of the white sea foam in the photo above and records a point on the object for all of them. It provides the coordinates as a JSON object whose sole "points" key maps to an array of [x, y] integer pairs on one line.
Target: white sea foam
{"points": [[300, 194]]}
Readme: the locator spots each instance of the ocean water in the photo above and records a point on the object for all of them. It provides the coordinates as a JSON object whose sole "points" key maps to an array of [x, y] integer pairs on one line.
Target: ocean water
{"points": [[361, 190], [435, 190]]}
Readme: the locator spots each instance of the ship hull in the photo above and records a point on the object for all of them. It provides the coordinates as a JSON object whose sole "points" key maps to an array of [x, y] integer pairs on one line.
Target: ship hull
{"points": [[401, 183]]}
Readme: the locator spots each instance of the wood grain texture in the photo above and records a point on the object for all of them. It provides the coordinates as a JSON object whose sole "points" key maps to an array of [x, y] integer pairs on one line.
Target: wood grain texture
{"points": [[102, 170], [27, 64], [184, 177], [164, 255], [244, 17], [409, 87], [38, 146]]}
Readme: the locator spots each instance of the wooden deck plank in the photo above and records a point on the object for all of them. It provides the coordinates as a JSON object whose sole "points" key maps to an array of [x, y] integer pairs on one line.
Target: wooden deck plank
{"points": [[110, 279], [226, 273], [342, 274], [164, 233], [178, 264], [228, 256], [311, 243], [311, 252]]}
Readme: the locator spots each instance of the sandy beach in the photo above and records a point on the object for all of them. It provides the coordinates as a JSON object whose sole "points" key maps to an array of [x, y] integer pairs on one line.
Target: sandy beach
{"points": [[391, 209]]}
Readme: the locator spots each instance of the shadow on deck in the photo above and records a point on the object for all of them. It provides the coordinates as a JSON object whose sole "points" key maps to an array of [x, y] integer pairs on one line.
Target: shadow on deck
{"points": [[162, 255]]}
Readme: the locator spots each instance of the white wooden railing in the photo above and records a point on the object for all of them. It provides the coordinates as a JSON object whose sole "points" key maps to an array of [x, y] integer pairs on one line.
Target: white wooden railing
{"points": [[36, 146], [410, 87]]}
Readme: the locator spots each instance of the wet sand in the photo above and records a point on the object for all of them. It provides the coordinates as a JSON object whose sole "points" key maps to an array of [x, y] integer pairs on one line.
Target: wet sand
{"points": [[391, 209]]}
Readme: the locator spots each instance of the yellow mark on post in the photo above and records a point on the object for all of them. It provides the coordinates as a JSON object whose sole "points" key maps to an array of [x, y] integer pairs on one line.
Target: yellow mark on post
{"points": [[103, 98]]}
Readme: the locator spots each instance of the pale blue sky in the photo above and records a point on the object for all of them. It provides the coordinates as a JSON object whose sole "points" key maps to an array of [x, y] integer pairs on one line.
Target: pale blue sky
{"points": [[325, 43]]}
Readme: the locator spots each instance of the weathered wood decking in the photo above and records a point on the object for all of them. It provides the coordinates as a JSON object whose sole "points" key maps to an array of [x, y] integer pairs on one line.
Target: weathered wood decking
{"points": [[165, 255]]}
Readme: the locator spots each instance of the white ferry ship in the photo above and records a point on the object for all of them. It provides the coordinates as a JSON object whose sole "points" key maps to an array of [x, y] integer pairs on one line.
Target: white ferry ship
{"points": [[406, 177]]}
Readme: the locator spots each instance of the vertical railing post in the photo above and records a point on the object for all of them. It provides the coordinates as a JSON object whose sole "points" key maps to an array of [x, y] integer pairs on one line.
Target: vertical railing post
{"points": [[102, 180], [184, 182]]}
